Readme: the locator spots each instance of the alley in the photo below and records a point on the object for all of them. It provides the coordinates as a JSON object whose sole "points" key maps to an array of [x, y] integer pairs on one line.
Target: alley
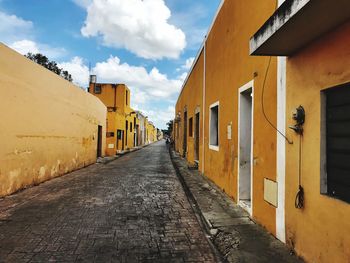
{"points": [[130, 210]]}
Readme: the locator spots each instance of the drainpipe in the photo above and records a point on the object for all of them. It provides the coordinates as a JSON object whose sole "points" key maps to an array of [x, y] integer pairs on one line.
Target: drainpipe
{"points": [[203, 103]]}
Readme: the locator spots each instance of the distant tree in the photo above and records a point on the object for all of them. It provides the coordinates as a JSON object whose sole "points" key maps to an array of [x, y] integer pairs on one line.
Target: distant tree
{"points": [[50, 65], [170, 125]]}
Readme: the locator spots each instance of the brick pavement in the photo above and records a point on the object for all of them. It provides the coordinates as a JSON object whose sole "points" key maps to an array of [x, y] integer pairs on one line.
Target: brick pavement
{"points": [[130, 210]]}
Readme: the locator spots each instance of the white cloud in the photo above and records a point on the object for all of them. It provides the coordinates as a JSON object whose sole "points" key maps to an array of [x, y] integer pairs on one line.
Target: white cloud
{"points": [[188, 63], [24, 46], [160, 117], [183, 76], [78, 70], [141, 27], [82, 3], [153, 84], [18, 34], [151, 91], [13, 28]]}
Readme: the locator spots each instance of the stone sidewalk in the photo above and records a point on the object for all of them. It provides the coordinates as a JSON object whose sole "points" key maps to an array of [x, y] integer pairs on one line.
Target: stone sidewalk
{"points": [[234, 234]]}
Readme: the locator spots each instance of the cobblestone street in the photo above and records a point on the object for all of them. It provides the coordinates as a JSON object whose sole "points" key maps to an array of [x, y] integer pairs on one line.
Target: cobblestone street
{"points": [[133, 209]]}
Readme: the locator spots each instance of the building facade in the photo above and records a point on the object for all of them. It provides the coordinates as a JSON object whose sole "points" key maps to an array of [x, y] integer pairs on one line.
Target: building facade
{"points": [[121, 118], [49, 127], [126, 128], [220, 123], [141, 137], [316, 58], [264, 114]]}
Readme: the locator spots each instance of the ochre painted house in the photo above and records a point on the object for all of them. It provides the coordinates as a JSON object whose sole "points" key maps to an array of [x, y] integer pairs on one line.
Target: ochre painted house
{"points": [[123, 123], [237, 105], [314, 38], [121, 118], [219, 122]]}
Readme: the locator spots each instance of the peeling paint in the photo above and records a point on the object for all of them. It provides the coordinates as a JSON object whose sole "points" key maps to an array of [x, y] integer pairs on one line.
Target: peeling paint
{"points": [[38, 147]]}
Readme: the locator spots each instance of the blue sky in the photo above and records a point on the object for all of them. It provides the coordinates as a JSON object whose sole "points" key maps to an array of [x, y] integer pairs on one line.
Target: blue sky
{"points": [[148, 45]]}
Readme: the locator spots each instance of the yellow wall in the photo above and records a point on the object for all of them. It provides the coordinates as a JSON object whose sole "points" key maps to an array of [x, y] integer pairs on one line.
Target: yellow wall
{"points": [[229, 67], [319, 232], [119, 111], [191, 98], [151, 132], [48, 126]]}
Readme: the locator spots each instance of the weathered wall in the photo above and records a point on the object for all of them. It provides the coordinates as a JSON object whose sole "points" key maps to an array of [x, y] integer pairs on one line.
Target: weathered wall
{"points": [[114, 97], [48, 126], [319, 232], [229, 67], [191, 98]]}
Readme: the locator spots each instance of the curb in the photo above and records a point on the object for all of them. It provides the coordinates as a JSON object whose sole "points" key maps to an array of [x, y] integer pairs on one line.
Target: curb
{"points": [[204, 223]]}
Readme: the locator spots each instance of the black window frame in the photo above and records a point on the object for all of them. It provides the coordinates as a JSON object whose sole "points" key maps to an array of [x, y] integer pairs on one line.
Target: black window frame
{"points": [[98, 89], [335, 148]]}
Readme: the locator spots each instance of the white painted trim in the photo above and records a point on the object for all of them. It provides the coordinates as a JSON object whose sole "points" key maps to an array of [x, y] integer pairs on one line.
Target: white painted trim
{"points": [[280, 2], [245, 87], [211, 146], [214, 104], [249, 85], [281, 149]]}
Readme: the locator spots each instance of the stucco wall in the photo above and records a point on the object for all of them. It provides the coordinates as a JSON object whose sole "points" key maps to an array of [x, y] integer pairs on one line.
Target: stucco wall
{"points": [[114, 95], [319, 232], [48, 126], [191, 98], [229, 67]]}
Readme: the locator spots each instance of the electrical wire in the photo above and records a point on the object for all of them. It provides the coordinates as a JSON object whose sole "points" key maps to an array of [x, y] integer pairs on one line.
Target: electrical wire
{"points": [[299, 198], [263, 107]]}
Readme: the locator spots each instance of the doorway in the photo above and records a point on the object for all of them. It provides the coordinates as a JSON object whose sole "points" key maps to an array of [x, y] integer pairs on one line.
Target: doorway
{"points": [[185, 135], [126, 134], [196, 137], [245, 154], [99, 141]]}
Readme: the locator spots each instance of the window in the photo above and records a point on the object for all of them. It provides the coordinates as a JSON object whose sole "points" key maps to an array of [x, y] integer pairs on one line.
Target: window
{"points": [[126, 132], [335, 142], [126, 97], [109, 134], [130, 126], [214, 127], [190, 127], [97, 89]]}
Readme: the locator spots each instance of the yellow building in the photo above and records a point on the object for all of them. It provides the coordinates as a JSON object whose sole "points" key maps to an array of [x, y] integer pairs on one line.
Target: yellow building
{"points": [[142, 127], [151, 132], [314, 38], [121, 118], [220, 122], [49, 127]]}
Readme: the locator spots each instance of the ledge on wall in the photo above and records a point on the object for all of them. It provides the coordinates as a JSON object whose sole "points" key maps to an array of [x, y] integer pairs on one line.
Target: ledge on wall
{"points": [[296, 23]]}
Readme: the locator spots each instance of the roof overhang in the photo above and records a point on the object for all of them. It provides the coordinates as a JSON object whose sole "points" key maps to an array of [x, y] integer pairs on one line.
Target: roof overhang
{"points": [[296, 23]]}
